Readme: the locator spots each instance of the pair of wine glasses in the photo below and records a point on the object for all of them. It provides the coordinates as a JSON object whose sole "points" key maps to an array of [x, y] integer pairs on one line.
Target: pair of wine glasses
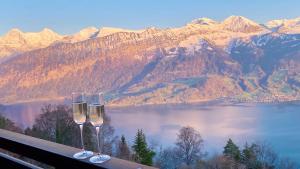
{"points": [[89, 108]]}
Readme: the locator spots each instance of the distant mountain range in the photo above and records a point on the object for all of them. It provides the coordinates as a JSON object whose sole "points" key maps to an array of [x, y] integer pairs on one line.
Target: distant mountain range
{"points": [[235, 60]]}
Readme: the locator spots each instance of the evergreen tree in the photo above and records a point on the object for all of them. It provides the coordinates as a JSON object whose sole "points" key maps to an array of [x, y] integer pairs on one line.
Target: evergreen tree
{"points": [[123, 151], [142, 154], [249, 157], [232, 150]]}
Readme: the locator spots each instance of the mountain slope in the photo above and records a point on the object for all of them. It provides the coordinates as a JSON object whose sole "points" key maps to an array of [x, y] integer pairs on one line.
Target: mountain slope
{"points": [[203, 60]]}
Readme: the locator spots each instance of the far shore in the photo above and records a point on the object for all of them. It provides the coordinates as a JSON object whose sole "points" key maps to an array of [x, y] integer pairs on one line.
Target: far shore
{"points": [[215, 102]]}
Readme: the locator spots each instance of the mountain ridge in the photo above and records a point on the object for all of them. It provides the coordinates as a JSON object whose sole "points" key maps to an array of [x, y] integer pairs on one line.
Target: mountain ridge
{"points": [[47, 37], [192, 63]]}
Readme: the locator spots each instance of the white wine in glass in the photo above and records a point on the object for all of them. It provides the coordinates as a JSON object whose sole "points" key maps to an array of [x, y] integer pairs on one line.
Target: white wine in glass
{"points": [[79, 116], [79, 112], [96, 115]]}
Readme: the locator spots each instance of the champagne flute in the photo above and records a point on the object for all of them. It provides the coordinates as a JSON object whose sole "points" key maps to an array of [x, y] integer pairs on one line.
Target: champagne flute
{"points": [[96, 115], [79, 115]]}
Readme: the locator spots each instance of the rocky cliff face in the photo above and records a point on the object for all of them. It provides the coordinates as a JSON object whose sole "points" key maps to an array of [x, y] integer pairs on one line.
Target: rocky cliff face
{"points": [[205, 60]]}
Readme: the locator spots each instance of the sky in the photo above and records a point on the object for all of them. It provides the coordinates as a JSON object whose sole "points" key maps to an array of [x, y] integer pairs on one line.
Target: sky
{"points": [[69, 16]]}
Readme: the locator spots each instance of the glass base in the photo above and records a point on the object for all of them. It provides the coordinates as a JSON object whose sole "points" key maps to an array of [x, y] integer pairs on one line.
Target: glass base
{"points": [[83, 154], [99, 158]]}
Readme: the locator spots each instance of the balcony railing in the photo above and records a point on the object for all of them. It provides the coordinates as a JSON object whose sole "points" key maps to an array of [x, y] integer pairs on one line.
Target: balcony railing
{"points": [[50, 153]]}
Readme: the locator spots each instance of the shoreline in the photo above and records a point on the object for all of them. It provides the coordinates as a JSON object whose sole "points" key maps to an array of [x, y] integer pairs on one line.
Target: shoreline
{"points": [[208, 102], [225, 102]]}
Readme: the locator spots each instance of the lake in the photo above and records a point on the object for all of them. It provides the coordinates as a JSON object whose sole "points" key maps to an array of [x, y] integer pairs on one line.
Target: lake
{"points": [[277, 124]]}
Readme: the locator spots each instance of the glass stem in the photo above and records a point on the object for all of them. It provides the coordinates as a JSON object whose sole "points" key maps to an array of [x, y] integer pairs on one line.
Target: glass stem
{"points": [[82, 144], [98, 143]]}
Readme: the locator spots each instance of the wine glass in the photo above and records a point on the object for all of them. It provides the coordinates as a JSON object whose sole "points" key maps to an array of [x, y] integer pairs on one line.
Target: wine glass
{"points": [[96, 115], [79, 115]]}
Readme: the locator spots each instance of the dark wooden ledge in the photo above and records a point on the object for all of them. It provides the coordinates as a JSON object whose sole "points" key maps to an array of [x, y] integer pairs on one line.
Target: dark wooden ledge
{"points": [[56, 155]]}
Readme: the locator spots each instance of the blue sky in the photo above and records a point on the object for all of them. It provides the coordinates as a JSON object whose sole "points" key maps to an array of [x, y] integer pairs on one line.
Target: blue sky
{"points": [[69, 16]]}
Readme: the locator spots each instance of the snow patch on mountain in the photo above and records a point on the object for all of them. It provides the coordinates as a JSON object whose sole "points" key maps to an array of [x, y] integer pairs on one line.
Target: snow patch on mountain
{"points": [[196, 44], [235, 43], [204, 21], [288, 26], [82, 35], [241, 24], [105, 31], [275, 23]]}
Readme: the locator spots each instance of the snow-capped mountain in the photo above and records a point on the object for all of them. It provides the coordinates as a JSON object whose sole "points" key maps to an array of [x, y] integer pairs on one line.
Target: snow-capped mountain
{"points": [[92, 32], [16, 41], [109, 30], [275, 23], [82, 35], [241, 24], [202, 60], [290, 26], [204, 21]]}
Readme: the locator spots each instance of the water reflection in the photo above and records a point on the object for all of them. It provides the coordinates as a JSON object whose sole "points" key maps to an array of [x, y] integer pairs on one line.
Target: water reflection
{"points": [[277, 124], [274, 123]]}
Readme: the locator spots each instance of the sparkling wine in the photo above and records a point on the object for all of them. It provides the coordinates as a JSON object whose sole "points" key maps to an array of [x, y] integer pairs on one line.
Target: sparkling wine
{"points": [[96, 113], [79, 112]]}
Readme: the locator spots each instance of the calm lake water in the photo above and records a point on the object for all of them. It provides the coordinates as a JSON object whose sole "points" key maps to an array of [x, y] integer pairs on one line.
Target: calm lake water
{"points": [[277, 124]]}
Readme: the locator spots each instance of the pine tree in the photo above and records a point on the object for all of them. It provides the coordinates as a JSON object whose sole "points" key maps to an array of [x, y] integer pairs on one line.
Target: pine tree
{"points": [[142, 154], [249, 156], [123, 151], [232, 150]]}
